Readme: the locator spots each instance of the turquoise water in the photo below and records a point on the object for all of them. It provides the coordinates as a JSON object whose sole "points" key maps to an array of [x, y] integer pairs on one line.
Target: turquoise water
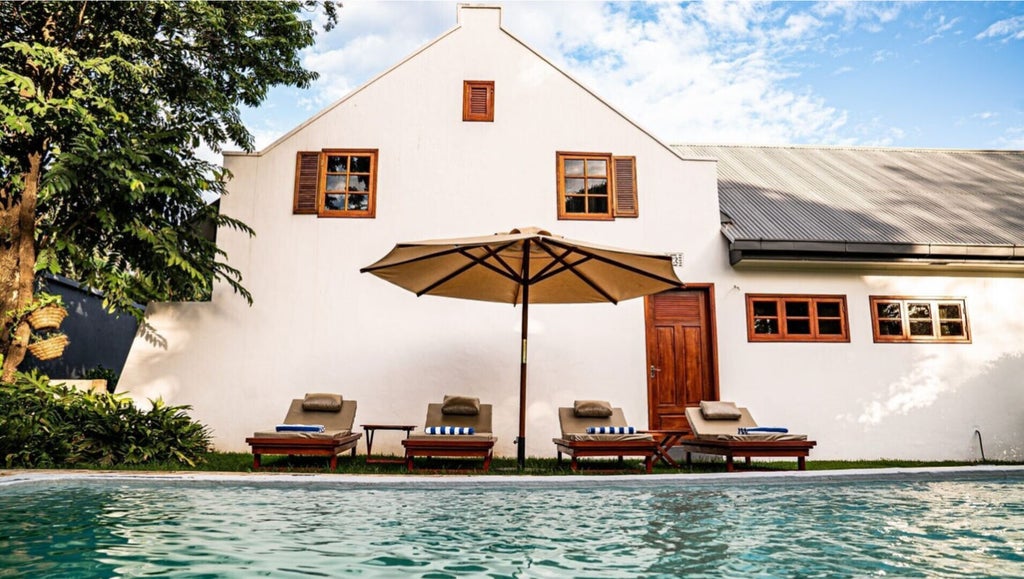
{"points": [[652, 528]]}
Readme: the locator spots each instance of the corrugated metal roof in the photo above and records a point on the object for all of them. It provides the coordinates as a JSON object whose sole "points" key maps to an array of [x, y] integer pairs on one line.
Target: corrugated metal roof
{"points": [[870, 197]]}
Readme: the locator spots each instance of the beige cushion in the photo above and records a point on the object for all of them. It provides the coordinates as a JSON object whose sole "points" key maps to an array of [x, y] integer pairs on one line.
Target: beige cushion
{"points": [[460, 405], [592, 408], [719, 410], [481, 422], [321, 402]]}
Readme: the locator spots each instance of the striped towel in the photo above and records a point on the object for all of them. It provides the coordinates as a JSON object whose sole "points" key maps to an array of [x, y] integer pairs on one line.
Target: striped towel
{"points": [[611, 430], [300, 427], [449, 430], [756, 429]]}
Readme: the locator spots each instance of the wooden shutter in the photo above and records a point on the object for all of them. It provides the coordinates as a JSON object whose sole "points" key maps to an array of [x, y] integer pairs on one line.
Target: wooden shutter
{"points": [[625, 187], [307, 178], [478, 100]]}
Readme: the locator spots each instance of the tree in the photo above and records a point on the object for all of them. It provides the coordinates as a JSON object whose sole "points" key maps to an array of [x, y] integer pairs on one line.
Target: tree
{"points": [[102, 106]]}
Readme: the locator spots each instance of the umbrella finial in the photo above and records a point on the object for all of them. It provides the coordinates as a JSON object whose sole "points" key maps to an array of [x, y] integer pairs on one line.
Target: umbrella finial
{"points": [[530, 231]]}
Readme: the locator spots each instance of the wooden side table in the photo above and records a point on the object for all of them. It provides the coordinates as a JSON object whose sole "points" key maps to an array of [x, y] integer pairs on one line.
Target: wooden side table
{"points": [[666, 440], [370, 429]]}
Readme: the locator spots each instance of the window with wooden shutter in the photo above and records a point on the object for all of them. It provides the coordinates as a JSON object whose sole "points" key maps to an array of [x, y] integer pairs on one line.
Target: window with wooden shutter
{"points": [[336, 183], [596, 186], [625, 187], [478, 100], [307, 176]]}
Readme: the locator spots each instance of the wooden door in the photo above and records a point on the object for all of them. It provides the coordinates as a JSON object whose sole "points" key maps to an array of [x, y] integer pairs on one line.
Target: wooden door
{"points": [[681, 359]]}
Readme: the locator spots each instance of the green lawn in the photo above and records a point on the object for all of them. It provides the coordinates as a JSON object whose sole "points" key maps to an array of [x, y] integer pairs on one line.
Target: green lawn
{"points": [[242, 462]]}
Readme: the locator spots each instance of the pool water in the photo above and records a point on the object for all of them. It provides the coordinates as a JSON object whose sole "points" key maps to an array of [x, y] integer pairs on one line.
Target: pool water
{"points": [[589, 528]]}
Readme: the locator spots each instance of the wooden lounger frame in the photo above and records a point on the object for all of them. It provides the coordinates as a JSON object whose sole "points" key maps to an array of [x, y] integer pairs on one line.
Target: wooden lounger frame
{"points": [[330, 447], [582, 448], [748, 448], [448, 448]]}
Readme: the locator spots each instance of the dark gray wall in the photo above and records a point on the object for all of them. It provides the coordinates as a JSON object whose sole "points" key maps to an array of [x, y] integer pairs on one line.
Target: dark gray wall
{"points": [[97, 338]]}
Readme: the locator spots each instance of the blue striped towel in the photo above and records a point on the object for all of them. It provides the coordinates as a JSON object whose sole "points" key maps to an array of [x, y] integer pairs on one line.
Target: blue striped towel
{"points": [[611, 430], [756, 429], [300, 427], [449, 430]]}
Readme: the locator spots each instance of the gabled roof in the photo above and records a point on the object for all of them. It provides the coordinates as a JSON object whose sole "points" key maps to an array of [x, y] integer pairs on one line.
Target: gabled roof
{"points": [[869, 204]]}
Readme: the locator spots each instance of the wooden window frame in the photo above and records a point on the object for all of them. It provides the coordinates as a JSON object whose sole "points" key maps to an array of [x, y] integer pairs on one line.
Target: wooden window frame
{"points": [[471, 113], [812, 301], [906, 337], [560, 158]]}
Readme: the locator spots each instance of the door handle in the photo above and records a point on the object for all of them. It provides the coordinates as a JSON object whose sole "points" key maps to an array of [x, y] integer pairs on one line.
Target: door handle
{"points": [[654, 369]]}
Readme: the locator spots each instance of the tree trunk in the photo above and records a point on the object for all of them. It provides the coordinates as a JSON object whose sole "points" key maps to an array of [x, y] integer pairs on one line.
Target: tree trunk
{"points": [[17, 264]]}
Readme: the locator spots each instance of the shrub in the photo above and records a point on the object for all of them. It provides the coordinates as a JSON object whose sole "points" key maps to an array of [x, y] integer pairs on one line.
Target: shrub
{"points": [[55, 425]]}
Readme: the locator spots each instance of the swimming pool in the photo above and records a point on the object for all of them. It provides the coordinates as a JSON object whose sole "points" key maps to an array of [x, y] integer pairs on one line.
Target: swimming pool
{"points": [[587, 527]]}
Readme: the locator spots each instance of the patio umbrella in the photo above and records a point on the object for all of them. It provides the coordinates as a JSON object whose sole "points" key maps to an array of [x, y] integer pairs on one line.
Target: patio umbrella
{"points": [[524, 266]]}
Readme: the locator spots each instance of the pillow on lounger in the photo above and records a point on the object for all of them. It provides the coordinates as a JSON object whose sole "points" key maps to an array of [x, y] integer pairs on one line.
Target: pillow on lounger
{"points": [[719, 410], [463, 405], [321, 402], [592, 409]]}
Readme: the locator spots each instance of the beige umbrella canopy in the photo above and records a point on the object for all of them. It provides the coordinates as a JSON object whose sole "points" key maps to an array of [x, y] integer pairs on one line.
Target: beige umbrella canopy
{"points": [[525, 266]]}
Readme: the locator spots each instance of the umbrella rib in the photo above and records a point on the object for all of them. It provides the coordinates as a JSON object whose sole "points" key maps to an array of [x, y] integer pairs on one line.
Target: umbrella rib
{"points": [[572, 267], [619, 265], [474, 261]]}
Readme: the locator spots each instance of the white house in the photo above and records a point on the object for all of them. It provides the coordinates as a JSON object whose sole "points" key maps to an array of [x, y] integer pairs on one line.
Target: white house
{"points": [[870, 298]]}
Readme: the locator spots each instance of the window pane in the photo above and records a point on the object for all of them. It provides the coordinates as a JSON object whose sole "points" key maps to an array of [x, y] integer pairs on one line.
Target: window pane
{"points": [[951, 328], [802, 327], [597, 168], [598, 205], [948, 311], [575, 205], [597, 186], [337, 164], [890, 328], [765, 309], [358, 183], [358, 202], [888, 310], [919, 310], [921, 329], [828, 309], [335, 182], [830, 327], [574, 167], [334, 202], [575, 186], [798, 309], [360, 165], [763, 326]]}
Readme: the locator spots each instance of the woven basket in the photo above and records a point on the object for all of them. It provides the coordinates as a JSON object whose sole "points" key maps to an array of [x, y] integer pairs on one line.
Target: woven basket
{"points": [[49, 348], [47, 317]]}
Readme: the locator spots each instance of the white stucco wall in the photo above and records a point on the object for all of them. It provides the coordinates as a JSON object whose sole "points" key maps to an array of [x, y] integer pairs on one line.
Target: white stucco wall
{"points": [[317, 324]]}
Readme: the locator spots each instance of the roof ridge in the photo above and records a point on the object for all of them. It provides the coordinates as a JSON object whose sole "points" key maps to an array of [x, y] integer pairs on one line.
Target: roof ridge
{"points": [[844, 147]]}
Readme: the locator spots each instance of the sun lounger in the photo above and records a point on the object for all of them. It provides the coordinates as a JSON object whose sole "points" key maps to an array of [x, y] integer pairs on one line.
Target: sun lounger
{"points": [[457, 411], [716, 430], [327, 410], [576, 442]]}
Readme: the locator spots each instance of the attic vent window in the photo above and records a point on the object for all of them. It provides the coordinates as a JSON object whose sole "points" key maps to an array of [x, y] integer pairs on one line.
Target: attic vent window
{"points": [[478, 100]]}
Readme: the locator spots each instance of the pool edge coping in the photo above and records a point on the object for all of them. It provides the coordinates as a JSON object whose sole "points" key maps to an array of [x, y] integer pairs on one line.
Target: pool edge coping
{"points": [[9, 477]]}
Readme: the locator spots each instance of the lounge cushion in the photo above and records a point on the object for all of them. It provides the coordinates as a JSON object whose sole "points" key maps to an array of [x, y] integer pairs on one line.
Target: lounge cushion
{"points": [[321, 402], [719, 410], [592, 408], [460, 405]]}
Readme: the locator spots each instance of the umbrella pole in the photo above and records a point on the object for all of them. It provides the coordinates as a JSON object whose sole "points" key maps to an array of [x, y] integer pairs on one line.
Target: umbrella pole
{"points": [[521, 441]]}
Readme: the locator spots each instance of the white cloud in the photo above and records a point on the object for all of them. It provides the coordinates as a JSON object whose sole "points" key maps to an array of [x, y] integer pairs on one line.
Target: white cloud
{"points": [[842, 70], [1009, 28], [1012, 138], [882, 56]]}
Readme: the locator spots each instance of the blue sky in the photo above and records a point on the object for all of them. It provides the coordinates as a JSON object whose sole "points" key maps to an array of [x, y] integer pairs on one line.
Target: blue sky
{"points": [[903, 74]]}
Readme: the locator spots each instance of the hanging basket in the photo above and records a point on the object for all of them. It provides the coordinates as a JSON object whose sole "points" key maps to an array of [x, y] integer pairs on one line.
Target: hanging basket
{"points": [[47, 317], [49, 348]]}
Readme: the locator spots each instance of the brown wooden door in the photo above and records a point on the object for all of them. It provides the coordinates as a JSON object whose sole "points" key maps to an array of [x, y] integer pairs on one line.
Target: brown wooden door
{"points": [[681, 361]]}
